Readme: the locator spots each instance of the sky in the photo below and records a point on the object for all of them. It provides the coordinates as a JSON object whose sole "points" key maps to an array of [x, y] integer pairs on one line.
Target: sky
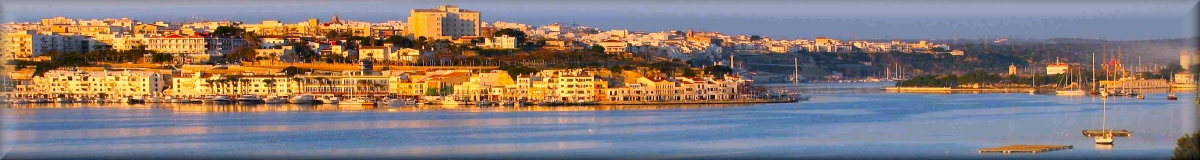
{"points": [[786, 19]]}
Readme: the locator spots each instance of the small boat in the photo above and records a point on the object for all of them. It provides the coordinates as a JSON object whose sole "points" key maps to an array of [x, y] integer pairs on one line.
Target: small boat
{"points": [[62, 100], [450, 101], [302, 99], [484, 103], [1070, 92], [274, 100], [221, 100], [41, 100], [1104, 139], [329, 100], [1141, 96], [154, 100], [1104, 94], [357, 101], [249, 99], [80, 100], [1172, 97], [20, 101]]}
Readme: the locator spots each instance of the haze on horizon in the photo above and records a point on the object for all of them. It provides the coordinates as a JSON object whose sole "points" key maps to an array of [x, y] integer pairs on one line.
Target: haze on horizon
{"points": [[866, 19]]}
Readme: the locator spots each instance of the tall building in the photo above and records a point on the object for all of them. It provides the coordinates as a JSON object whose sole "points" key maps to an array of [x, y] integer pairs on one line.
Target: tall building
{"points": [[1012, 69], [444, 22]]}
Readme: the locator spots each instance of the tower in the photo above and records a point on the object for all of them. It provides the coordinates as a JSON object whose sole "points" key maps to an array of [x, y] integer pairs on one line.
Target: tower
{"points": [[1012, 69]]}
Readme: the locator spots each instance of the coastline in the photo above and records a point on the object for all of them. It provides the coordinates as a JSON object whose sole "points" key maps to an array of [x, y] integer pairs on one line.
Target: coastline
{"points": [[896, 88], [693, 102]]}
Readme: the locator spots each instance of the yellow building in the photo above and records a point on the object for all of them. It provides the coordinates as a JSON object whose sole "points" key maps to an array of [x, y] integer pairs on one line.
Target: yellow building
{"points": [[444, 22], [1012, 69]]}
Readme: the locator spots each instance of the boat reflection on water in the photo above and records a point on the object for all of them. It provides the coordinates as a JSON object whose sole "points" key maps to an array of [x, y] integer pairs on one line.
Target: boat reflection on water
{"points": [[1104, 146], [215, 108]]}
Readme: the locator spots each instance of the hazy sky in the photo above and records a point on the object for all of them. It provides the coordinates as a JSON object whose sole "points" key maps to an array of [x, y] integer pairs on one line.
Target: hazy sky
{"points": [[929, 19]]}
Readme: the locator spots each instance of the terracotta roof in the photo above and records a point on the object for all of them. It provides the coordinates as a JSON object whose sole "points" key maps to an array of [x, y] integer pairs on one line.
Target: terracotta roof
{"points": [[467, 11]]}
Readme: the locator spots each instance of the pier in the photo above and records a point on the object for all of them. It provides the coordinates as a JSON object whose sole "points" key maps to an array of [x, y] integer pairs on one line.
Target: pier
{"points": [[1025, 148]]}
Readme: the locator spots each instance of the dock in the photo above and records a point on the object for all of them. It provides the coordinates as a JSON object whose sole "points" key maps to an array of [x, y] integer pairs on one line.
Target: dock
{"points": [[1025, 148], [1116, 133]]}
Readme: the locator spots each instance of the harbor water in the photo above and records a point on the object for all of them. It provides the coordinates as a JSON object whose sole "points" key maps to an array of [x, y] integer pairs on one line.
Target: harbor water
{"points": [[851, 120]]}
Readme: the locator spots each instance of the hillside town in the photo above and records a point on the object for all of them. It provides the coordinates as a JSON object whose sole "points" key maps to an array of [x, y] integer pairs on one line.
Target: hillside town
{"points": [[444, 53]]}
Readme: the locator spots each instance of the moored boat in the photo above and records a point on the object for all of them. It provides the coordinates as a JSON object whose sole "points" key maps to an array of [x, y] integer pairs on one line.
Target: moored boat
{"points": [[356, 101], [249, 99], [302, 99], [274, 100], [1172, 97], [220, 100]]}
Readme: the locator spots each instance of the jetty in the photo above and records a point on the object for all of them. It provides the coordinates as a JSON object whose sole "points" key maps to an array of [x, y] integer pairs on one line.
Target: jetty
{"points": [[1025, 148], [1098, 132], [694, 102]]}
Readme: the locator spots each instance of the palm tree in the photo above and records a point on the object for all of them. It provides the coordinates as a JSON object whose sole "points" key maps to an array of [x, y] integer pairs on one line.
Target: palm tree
{"points": [[243, 83], [270, 85], [321, 82]]}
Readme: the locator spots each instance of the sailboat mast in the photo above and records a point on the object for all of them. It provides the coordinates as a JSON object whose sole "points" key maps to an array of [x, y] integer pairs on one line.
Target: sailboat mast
{"points": [[1095, 87]]}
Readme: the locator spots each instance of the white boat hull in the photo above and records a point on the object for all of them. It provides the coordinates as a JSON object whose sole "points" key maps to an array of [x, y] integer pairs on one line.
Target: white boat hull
{"points": [[1070, 93]]}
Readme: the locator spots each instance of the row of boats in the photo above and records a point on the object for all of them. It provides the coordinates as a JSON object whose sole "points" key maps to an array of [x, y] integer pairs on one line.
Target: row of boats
{"points": [[298, 99], [221, 99], [1106, 93]]}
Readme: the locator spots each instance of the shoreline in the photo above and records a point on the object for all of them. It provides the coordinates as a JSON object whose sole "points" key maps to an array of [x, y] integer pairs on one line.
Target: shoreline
{"points": [[694, 102], [895, 88]]}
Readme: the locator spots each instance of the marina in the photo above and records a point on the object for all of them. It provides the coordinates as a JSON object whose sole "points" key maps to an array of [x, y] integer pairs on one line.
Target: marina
{"points": [[833, 121]]}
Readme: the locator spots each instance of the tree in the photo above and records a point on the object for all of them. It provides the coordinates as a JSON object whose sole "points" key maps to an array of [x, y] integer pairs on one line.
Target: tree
{"points": [[1188, 147], [755, 38], [228, 31], [161, 57], [400, 41], [596, 48], [718, 71]]}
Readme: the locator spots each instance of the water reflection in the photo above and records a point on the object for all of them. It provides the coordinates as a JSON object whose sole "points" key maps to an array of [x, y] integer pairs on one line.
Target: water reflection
{"points": [[210, 108], [833, 125], [1104, 147]]}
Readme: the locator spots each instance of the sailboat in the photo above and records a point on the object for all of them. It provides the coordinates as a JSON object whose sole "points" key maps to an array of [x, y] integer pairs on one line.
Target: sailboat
{"points": [[354, 100], [796, 82], [1070, 92], [1033, 86], [1106, 138]]}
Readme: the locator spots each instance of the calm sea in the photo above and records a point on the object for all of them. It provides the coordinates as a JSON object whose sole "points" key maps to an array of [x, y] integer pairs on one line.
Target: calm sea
{"points": [[850, 120]]}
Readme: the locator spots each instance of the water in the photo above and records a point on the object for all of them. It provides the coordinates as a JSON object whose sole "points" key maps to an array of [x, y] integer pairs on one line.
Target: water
{"points": [[854, 124]]}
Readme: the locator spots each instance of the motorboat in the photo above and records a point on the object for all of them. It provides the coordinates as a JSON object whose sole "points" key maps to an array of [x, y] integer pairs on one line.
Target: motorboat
{"points": [[1140, 96], [274, 100], [1070, 92], [450, 101], [302, 99], [221, 100], [1172, 97], [154, 100], [249, 99], [20, 101], [485, 103], [62, 100], [356, 101], [329, 100]]}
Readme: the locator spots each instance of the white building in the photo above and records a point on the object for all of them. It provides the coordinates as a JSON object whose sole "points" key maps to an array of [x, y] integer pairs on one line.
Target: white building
{"points": [[105, 83], [500, 42]]}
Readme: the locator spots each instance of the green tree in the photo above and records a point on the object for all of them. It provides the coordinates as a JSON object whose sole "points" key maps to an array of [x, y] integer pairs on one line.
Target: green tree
{"points": [[755, 38], [228, 31], [1188, 147], [718, 71]]}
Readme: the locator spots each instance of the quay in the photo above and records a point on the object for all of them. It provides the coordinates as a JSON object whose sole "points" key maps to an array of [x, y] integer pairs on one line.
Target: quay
{"points": [[1025, 148], [895, 88], [1116, 133], [693, 102]]}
